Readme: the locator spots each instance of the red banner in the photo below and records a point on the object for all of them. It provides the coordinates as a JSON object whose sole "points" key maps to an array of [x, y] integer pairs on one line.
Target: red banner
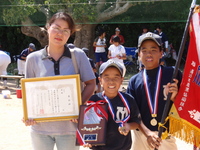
{"points": [[185, 113]]}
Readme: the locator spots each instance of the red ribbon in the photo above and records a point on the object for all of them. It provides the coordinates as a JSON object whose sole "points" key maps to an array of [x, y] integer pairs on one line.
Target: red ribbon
{"points": [[80, 138], [97, 107]]}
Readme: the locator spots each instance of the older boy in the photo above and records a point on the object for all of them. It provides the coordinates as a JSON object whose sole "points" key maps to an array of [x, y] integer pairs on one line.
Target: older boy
{"points": [[123, 114], [149, 88]]}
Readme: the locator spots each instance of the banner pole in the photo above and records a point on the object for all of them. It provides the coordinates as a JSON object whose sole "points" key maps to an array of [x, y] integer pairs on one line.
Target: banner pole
{"points": [[177, 65]]}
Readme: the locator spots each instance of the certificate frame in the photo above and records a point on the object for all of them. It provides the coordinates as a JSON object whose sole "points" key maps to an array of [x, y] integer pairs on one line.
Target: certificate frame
{"points": [[53, 98]]}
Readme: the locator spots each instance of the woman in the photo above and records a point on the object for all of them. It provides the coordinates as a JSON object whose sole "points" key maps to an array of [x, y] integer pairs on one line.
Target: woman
{"points": [[55, 59]]}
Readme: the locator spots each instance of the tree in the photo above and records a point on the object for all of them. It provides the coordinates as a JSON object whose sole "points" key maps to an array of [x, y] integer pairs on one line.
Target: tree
{"points": [[88, 13], [32, 15]]}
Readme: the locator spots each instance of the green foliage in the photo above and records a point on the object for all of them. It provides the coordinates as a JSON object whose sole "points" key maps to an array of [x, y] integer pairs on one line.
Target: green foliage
{"points": [[170, 15], [13, 41], [161, 11], [18, 11], [85, 11], [79, 9]]}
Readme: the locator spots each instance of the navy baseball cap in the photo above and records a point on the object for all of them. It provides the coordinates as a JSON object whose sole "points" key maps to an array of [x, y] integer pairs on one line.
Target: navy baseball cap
{"points": [[111, 63], [150, 36], [32, 46]]}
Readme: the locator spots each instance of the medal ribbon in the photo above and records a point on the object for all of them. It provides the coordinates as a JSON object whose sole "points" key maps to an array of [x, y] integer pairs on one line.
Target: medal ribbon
{"points": [[97, 107], [120, 122], [153, 108]]}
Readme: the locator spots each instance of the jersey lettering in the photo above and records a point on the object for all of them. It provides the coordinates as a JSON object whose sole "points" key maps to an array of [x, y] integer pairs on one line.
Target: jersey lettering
{"points": [[121, 113]]}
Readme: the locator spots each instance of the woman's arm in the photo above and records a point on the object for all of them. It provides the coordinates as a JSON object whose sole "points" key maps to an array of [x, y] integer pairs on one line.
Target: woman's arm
{"points": [[88, 90]]}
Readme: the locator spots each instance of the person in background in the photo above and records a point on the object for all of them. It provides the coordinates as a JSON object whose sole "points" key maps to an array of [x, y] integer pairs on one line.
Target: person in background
{"points": [[55, 60], [22, 58], [150, 87], [140, 65], [123, 114], [5, 60], [117, 33], [165, 45], [117, 52], [100, 51], [144, 30], [98, 86], [164, 39]]}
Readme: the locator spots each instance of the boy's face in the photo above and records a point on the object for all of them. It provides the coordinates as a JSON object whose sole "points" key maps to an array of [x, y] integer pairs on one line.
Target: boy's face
{"points": [[150, 54], [111, 81]]}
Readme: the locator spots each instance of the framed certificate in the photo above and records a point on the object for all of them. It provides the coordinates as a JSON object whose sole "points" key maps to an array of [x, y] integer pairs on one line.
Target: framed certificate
{"points": [[91, 127], [51, 98]]}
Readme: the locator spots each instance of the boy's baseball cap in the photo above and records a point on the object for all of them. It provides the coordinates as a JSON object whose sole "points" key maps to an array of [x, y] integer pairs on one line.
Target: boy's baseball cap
{"points": [[150, 36], [32, 46], [111, 63]]}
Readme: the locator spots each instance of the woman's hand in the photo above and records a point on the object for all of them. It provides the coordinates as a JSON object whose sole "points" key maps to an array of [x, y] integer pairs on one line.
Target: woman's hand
{"points": [[29, 122], [74, 120]]}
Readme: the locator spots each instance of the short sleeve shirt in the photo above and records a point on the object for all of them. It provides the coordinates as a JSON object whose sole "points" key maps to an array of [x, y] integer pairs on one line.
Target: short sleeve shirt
{"points": [[115, 140], [39, 64], [100, 42], [117, 50]]}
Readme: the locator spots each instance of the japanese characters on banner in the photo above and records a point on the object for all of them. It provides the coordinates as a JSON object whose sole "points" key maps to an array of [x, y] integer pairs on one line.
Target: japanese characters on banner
{"points": [[185, 113]]}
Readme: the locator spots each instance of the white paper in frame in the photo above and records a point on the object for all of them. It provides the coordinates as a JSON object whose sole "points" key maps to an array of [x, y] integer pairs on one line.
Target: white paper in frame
{"points": [[51, 98]]}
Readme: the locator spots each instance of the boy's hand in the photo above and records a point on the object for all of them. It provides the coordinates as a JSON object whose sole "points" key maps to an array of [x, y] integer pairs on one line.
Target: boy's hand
{"points": [[171, 88], [153, 140], [125, 129], [87, 145]]}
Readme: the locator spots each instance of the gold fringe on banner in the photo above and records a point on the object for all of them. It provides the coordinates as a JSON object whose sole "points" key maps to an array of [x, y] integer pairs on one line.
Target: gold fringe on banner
{"points": [[182, 129]]}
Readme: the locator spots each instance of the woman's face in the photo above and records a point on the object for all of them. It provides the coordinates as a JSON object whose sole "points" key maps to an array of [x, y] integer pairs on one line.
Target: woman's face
{"points": [[59, 32]]}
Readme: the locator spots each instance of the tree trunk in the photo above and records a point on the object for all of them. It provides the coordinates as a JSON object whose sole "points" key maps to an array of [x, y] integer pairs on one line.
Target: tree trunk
{"points": [[85, 37], [35, 31]]}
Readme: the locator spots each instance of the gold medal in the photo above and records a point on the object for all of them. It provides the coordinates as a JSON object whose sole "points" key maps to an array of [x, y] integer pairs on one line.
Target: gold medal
{"points": [[123, 129], [153, 122]]}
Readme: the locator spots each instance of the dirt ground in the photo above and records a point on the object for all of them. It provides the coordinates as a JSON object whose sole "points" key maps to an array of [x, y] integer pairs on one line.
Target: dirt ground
{"points": [[14, 135]]}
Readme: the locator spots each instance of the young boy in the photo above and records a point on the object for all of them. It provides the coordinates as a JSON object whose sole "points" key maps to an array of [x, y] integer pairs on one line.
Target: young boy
{"points": [[149, 87], [121, 106]]}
